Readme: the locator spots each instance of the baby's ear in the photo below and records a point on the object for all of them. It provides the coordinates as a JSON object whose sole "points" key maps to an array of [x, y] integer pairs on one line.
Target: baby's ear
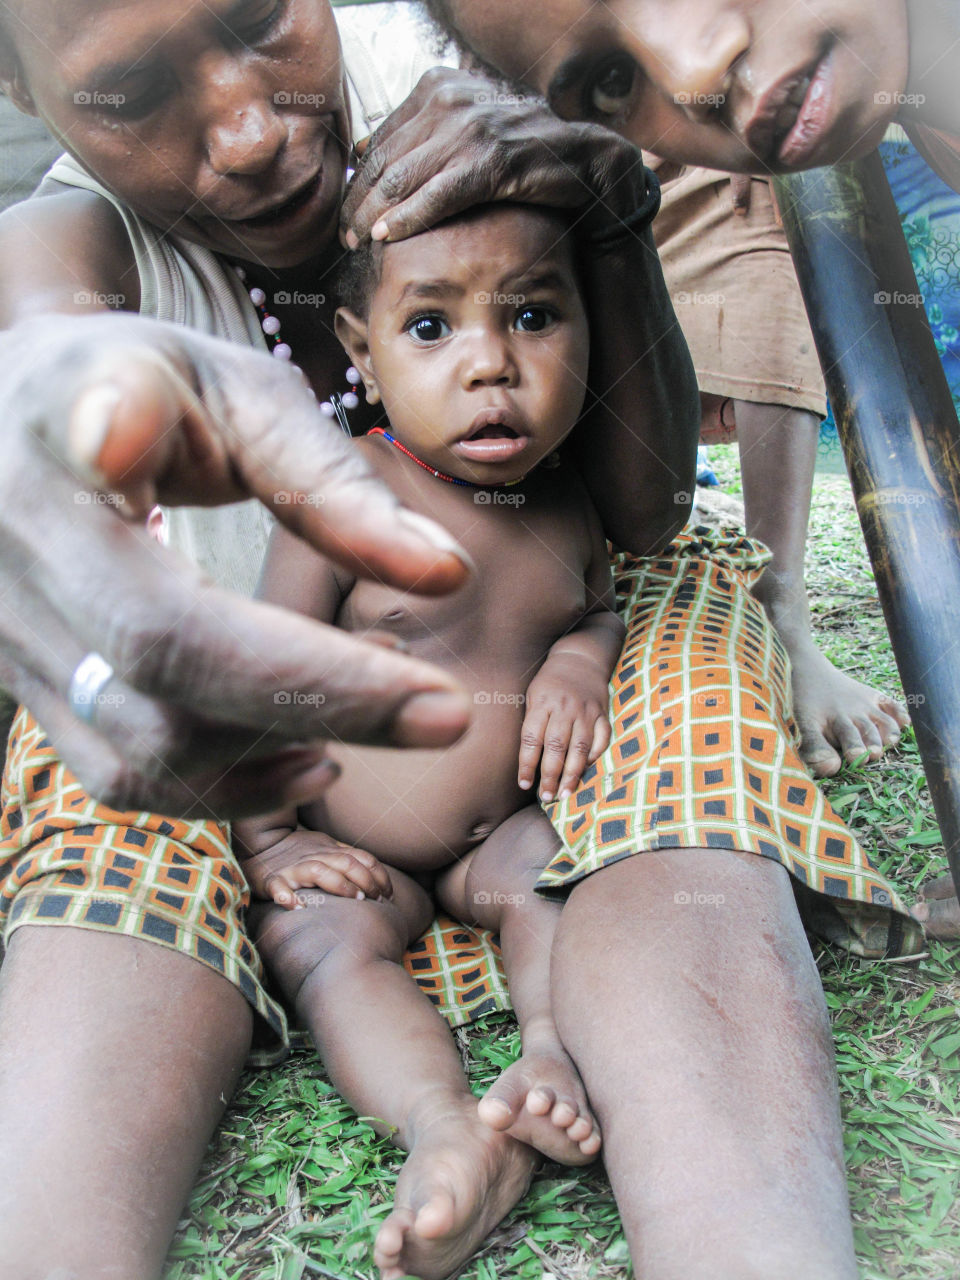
{"points": [[352, 332]]}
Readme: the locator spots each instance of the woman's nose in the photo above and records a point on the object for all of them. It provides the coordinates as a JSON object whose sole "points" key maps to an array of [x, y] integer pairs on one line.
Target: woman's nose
{"points": [[244, 132], [688, 49]]}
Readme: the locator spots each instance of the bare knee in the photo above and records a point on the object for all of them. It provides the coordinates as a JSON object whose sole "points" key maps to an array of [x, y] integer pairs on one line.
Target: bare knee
{"points": [[314, 943]]}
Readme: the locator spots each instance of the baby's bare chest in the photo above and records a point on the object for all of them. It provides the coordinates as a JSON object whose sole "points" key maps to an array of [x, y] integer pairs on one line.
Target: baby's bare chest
{"points": [[528, 588]]}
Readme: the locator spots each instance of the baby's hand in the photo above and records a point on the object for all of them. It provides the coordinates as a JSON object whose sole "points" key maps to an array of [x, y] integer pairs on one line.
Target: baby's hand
{"points": [[312, 860], [566, 724]]}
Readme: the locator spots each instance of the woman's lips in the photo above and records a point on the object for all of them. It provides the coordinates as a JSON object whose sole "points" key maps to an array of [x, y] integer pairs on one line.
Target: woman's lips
{"points": [[788, 122], [798, 147], [286, 212]]}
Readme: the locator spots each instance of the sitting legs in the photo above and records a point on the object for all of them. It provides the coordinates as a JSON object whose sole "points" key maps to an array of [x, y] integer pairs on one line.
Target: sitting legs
{"points": [[392, 1057]]}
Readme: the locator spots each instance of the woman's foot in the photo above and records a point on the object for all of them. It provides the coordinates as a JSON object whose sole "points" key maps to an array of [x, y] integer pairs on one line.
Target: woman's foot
{"points": [[839, 718], [458, 1181], [541, 1100], [938, 909]]}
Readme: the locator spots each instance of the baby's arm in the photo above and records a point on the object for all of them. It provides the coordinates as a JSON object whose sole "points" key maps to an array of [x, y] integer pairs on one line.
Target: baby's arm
{"points": [[566, 721], [278, 856]]}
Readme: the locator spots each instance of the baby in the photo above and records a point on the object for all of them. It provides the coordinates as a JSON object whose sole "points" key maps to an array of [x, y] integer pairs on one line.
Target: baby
{"points": [[474, 338]]}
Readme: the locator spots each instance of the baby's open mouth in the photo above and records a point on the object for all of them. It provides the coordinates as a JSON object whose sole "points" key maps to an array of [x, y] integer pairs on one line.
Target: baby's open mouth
{"points": [[492, 438], [494, 431]]}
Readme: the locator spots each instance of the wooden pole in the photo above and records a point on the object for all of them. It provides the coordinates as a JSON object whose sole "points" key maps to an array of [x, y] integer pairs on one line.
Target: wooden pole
{"points": [[900, 437]]}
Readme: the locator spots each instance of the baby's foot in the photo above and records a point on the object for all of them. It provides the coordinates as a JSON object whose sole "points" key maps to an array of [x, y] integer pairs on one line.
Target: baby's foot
{"points": [[458, 1181], [541, 1100], [838, 716]]}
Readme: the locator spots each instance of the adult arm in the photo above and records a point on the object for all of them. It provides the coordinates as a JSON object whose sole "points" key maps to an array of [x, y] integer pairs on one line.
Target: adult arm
{"points": [[453, 144], [103, 414]]}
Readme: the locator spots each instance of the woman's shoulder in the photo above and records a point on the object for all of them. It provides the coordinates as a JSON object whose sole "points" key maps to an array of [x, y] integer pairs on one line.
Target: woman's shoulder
{"points": [[61, 250]]}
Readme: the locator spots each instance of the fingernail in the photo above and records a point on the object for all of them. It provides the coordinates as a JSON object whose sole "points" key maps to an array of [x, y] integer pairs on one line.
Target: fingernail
{"points": [[352, 239], [379, 231], [565, 793], [525, 786], [546, 795], [90, 422], [433, 533], [431, 720], [361, 896]]}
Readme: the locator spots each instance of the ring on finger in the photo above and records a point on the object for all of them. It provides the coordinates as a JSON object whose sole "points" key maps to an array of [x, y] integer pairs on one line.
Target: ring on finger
{"points": [[91, 677]]}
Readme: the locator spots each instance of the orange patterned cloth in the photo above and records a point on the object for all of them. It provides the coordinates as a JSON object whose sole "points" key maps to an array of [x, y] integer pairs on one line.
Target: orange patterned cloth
{"points": [[704, 749]]}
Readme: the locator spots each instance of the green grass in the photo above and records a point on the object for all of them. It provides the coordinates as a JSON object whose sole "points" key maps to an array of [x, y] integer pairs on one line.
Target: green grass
{"points": [[294, 1185]]}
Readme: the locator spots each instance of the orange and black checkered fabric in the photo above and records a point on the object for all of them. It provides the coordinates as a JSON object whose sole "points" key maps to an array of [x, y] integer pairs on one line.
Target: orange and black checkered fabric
{"points": [[704, 748], [66, 860]]}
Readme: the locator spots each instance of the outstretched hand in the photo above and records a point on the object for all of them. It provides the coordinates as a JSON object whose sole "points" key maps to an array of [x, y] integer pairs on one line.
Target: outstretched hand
{"points": [[105, 415]]}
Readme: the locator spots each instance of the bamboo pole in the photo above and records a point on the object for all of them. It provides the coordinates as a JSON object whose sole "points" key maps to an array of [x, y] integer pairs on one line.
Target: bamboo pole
{"points": [[900, 436]]}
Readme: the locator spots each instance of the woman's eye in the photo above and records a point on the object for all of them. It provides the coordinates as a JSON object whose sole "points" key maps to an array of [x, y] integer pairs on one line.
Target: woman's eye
{"points": [[533, 319], [610, 89], [133, 106], [428, 328], [258, 17]]}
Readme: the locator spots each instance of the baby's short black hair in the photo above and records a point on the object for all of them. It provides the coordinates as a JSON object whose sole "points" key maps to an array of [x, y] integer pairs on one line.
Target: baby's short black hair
{"points": [[359, 276], [360, 272]]}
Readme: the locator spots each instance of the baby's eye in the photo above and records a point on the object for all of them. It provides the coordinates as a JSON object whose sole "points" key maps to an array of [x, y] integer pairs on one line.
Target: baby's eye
{"points": [[609, 90], [428, 329], [533, 319]]}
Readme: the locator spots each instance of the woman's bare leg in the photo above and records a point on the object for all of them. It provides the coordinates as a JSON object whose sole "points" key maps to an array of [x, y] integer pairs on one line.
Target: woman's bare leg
{"points": [[837, 715], [686, 993], [117, 1058]]}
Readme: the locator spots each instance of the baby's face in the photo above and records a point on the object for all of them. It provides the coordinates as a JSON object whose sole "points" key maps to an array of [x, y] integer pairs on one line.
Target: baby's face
{"points": [[479, 343], [748, 85], [221, 120]]}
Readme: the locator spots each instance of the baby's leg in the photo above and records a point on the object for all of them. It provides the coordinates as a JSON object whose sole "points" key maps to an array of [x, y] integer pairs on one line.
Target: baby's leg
{"points": [[540, 1099], [391, 1055]]}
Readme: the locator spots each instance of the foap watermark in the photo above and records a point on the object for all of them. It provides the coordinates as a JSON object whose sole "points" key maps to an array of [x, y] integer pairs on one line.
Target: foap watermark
{"points": [[94, 298], [497, 299], [298, 698], [498, 899], [899, 99], [883, 298], [714, 100], [297, 299], [286, 98], [499, 98], [901, 498], [682, 498], [711, 698], [498, 498], [915, 699], [86, 498], [308, 898], [498, 698], [697, 299], [298, 498], [684, 899], [94, 98]]}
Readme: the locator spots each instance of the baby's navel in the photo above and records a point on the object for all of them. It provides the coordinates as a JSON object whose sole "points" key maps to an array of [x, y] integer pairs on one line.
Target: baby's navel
{"points": [[481, 830]]}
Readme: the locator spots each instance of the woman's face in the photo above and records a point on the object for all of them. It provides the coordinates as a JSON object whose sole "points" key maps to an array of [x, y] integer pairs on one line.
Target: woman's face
{"points": [[220, 120], [744, 85]]}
